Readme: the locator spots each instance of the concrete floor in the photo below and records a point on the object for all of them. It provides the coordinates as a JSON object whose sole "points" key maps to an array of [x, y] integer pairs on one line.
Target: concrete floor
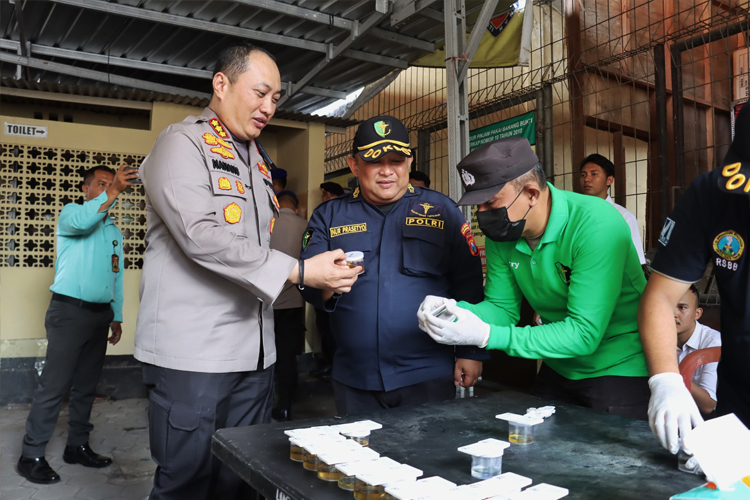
{"points": [[120, 432]]}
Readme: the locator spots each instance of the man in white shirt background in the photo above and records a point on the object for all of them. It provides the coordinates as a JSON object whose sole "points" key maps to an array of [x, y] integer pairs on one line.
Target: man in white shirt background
{"points": [[691, 336], [597, 174]]}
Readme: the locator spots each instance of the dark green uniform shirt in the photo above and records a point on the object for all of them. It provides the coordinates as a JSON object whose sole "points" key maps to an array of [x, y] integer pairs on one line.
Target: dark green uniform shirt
{"points": [[584, 279]]}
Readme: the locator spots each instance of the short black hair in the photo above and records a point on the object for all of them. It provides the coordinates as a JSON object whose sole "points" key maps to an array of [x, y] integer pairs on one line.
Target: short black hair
{"points": [[332, 187], [288, 197], [232, 60], [420, 176], [88, 176], [281, 180], [602, 161], [694, 289]]}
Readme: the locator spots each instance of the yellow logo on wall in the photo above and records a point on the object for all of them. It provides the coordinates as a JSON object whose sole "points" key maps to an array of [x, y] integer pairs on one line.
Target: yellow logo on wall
{"points": [[232, 213]]}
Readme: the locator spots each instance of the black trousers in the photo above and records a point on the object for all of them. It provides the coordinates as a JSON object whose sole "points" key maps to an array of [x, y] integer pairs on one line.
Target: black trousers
{"points": [[350, 401], [289, 327], [327, 340], [76, 346], [185, 409], [626, 396]]}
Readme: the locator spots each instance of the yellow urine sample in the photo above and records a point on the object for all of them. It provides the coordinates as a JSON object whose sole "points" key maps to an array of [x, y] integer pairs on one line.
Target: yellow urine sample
{"points": [[327, 472], [346, 482], [296, 453], [310, 462], [520, 438], [364, 491]]}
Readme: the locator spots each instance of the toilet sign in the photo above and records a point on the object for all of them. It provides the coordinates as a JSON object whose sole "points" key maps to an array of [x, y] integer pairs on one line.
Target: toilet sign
{"points": [[25, 130]]}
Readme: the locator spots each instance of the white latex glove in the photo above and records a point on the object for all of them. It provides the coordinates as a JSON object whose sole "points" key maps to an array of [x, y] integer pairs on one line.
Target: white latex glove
{"points": [[468, 329], [429, 304], [672, 412]]}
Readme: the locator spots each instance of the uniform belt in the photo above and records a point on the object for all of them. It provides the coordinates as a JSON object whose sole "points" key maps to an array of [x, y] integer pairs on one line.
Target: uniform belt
{"points": [[91, 306]]}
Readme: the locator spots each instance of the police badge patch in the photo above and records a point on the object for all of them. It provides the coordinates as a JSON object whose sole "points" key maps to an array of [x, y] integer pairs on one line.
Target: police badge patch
{"points": [[306, 238]]}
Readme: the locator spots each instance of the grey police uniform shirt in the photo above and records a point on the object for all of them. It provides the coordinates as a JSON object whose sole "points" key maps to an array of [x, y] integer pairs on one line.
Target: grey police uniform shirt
{"points": [[287, 237], [209, 276]]}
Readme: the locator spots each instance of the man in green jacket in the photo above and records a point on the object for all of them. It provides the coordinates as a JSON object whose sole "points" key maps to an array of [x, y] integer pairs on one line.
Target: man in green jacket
{"points": [[571, 256]]}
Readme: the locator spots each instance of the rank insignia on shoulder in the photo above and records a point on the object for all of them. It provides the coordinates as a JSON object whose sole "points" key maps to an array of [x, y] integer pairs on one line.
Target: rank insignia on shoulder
{"points": [[466, 232], [240, 187], [212, 140], [232, 213], [273, 221], [306, 238], [276, 202], [218, 128], [224, 184], [355, 193], [729, 245], [411, 188], [263, 169]]}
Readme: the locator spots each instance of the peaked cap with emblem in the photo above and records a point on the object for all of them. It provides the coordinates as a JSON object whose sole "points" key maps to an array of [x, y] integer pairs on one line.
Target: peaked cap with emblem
{"points": [[488, 168], [381, 135], [736, 163]]}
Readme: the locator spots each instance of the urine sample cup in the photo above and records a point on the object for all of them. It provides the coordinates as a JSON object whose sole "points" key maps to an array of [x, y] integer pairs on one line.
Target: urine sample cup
{"points": [[520, 427], [348, 471], [310, 461], [327, 472], [361, 437], [354, 259], [371, 485], [417, 489], [486, 457], [341, 452], [296, 452]]}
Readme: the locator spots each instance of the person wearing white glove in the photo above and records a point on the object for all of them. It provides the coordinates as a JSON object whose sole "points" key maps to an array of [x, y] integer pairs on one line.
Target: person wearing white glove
{"points": [[544, 244], [466, 329], [672, 411]]}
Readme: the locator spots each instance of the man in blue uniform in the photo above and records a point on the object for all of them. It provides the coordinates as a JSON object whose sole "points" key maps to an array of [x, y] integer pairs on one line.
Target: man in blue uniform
{"points": [[415, 242], [709, 224]]}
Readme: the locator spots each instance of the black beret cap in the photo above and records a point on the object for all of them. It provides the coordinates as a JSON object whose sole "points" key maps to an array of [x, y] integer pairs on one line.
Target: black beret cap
{"points": [[488, 168]]}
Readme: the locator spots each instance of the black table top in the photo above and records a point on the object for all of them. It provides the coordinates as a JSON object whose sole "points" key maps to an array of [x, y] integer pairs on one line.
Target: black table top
{"points": [[594, 454]]}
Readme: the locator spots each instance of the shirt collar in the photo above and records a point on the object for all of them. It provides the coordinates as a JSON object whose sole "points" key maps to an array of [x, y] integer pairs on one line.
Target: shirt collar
{"points": [[411, 191], [610, 200], [285, 210], [558, 219], [694, 342]]}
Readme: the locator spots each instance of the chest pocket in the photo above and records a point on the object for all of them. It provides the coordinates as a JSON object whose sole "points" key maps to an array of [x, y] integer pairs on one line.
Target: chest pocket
{"points": [[226, 184], [422, 250]]}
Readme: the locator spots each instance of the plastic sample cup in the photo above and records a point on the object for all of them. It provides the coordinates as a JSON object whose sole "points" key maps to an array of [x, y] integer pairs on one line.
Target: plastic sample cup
{"points": [[296, 452], [354, 259], [362, 437], [327, 472], [519, 433], [486, 467], [310, 461], [365, 491], [346, 482]]}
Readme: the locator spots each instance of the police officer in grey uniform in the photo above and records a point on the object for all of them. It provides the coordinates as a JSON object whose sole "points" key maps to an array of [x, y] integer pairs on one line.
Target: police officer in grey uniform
{"points": [[205, 329]]}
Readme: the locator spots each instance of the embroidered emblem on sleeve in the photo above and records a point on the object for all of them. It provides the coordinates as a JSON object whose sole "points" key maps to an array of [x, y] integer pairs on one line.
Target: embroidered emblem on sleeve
{"points": [[273, 221], [306, 238], [276, 202], [240, 187], [224, 184], [466, 232], [232, 213]]}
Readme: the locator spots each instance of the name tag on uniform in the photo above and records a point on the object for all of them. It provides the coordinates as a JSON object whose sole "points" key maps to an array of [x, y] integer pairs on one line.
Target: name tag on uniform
{"points": [[423, 221], [351, 228]]}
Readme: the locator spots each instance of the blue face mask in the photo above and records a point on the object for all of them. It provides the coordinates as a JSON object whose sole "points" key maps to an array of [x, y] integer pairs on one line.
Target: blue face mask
{"points": [[497, 226]]}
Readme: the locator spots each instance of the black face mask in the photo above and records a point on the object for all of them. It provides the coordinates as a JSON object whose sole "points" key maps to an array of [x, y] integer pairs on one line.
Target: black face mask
{"points": [[496, 225]]}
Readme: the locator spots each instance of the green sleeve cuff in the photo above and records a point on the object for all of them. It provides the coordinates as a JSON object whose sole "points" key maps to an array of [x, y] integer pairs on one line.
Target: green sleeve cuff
{"points": [[499, 338]]}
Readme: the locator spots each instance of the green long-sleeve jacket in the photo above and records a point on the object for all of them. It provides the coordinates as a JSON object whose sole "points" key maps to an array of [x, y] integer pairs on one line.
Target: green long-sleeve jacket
{"points": [[584, 279]]}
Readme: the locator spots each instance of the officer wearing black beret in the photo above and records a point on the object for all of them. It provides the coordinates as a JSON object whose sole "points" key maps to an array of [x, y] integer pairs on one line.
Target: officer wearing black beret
{"points": [[709, 224]]}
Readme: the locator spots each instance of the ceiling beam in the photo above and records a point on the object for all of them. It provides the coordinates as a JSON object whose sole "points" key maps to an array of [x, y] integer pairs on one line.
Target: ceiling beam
{"points": [[226, 29], [80, 99], [98, 75], [404, 9], [357, 31], [335, 21], [124, 62], [480, 27]]}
